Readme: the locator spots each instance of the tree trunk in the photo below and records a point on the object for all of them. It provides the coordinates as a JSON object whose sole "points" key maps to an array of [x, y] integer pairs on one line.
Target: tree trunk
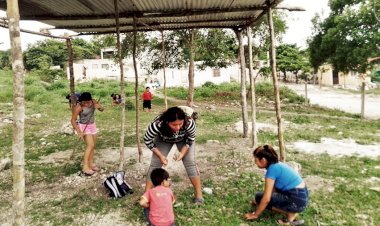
{"points": [[163, 59], [363, 100], [18, 150], [243, 92], [73, 97], [136, 91], [190, 95], [122, 92], [252, 89], [275, 85]]}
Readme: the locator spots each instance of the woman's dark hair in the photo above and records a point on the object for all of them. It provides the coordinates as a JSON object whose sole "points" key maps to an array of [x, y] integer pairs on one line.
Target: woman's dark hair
{"points": [[158, 176], [170, 115], [85, 96], [266, 152]]}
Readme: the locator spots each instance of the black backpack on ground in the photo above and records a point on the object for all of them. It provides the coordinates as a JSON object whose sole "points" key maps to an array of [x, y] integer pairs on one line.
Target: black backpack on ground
{"points": [[117, 186]]}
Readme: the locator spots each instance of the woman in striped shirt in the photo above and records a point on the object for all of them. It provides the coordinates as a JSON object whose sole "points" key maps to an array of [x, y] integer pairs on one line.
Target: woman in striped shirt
{"points": [[174, 127]]}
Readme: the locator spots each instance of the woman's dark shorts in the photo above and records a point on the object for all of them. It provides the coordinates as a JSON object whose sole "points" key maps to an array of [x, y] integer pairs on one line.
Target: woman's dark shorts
{"points": [[294, 200]]}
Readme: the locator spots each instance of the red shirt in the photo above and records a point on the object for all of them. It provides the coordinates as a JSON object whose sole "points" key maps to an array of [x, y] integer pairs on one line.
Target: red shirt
{"points": [[147, 96], [161, 200]]}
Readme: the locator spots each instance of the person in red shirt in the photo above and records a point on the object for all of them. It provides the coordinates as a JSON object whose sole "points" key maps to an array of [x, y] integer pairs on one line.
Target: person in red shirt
{"points": [[147, 98], [158, 201]]}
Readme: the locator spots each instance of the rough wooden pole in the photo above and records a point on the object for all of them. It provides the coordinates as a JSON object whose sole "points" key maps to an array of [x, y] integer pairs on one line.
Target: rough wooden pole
{"points": [[163, 59], [275, 85], [253, 92], [363, 100], [306, 100], [122, 92], [73, 98], [190, 94], [136, 90], [18, 149], [243, 91]]}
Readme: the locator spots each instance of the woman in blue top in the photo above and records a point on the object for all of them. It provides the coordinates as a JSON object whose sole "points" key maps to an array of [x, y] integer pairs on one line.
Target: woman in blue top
{"points": [[284, 191]]}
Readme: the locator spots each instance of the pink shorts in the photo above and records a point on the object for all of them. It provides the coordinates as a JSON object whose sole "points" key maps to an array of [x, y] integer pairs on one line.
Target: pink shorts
{"points": [[90, 128]]}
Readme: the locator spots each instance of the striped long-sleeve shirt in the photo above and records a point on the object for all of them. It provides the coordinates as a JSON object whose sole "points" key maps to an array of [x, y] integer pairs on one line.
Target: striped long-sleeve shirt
{"points": [[186, 133]]}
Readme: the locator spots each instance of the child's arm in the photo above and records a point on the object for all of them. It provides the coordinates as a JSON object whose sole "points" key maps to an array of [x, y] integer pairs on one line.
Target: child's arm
{"points": [[98, 105], [144, 202]]}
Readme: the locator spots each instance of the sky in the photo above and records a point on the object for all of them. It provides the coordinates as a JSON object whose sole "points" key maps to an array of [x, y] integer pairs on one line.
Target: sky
{"points": [[299, 24]]}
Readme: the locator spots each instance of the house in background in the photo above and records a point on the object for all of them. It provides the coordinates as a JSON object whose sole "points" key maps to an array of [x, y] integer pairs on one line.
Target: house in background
{"points": [[107, 68], [328, 76]]}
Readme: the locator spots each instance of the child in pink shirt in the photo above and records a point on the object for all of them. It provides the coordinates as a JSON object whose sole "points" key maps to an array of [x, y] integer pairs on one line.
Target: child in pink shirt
{"points": [[158, 201]]}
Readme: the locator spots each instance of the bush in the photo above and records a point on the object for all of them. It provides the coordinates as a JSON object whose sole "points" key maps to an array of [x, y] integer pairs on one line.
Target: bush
{"points": [[48, 75], [375, 77]]}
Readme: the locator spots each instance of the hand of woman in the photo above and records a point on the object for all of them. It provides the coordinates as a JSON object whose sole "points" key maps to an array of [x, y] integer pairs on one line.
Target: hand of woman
{"points": [[250, 216], [179, 156], [81, 135], [163, 160]]}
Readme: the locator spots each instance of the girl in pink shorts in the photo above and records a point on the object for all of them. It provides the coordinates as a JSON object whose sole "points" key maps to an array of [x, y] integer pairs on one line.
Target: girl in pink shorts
{"points": [[86, 129]]}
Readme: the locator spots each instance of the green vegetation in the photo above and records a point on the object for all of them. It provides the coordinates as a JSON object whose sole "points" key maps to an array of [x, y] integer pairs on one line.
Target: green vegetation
{"points": [[230, 172]]}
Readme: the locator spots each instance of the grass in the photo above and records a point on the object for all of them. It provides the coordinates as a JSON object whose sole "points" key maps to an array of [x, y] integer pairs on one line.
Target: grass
{"points": [[231, 177]]}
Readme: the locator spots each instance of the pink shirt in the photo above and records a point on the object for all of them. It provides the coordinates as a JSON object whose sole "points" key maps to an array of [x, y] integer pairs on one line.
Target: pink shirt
{"points": [[160, 200]]}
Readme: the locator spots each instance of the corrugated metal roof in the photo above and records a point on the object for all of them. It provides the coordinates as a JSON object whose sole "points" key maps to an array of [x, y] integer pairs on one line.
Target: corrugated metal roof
{"points": [[98, 16]]}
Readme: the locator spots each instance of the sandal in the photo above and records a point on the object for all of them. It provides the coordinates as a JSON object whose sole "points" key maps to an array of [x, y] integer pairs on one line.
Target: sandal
{"points": [[286, 222], [88, 173], [198, 201], [96, 168]]}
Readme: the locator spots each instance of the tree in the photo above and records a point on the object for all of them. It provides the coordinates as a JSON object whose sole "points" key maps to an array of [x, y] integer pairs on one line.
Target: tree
{"points": [[51, 52], [348, 36], [213, 48], [102, 41], [290, 59]]}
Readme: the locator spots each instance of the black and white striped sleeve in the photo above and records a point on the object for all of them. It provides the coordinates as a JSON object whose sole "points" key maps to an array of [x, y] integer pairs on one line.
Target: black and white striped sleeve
{"points": [[151, 132], [191, 130]]}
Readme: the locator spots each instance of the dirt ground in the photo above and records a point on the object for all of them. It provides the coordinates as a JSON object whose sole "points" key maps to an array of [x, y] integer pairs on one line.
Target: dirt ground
{"points": [[332, 98], [209, 156]]}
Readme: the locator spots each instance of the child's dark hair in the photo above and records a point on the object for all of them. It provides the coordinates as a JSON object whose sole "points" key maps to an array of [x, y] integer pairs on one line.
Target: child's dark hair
{"points": [[85, 96], [170, 115], [267, 152], [158, 176]]}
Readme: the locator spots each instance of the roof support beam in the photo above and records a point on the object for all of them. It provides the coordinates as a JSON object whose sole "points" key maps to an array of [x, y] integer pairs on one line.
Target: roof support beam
{"points": [[153, 14], [152, 24]]}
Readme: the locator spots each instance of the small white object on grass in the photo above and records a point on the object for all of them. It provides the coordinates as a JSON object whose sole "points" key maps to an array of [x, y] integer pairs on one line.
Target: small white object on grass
{"points": [[207, 191]]}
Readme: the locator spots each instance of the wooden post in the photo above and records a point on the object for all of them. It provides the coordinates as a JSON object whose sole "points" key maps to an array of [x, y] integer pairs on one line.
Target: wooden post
{"points": [[275, 85], [243, 92], [306, 100], [253, 93], [18, 149], [136, 90], [122, 85], [190, 94], [363, 100], [73, 98], [163, 59]]}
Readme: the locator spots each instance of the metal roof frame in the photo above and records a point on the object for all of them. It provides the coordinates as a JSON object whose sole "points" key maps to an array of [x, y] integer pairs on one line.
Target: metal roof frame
{"points": [[98, 16]]}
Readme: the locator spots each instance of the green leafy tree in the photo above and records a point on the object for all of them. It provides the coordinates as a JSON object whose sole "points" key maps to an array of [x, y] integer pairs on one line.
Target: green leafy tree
{"points": [[217, 48], [261, 36], [44, 54], [348, 36], [102, 41], [83, 49], [289, 59]]}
